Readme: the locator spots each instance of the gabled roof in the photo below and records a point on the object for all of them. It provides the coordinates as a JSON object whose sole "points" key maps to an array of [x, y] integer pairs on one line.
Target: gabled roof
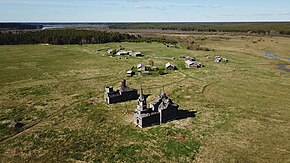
{"points": [[122, 52], [188, 62], [135, 53], [165, 102], [190, 58], [169, 64], [140, 65]]}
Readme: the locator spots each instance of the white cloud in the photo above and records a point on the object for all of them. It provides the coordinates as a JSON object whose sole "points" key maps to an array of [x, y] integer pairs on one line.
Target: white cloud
{"points": [[111, 4], [195, 5], [141, 6], [134, 1], [31, 2]]}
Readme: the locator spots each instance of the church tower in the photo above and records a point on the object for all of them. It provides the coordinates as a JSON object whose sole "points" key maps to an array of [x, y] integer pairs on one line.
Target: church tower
{"points": [[142, 105]]}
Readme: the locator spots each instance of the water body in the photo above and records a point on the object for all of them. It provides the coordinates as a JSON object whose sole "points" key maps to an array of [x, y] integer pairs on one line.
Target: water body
{"points": [[273, 56], [270, 55], [52, 27], [283, 67]]}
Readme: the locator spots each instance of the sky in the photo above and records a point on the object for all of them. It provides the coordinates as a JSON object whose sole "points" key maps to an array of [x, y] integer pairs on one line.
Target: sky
{"points": [[144, 10]]}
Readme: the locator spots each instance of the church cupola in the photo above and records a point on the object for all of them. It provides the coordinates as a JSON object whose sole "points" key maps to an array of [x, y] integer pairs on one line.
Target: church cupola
{"points": [[142, 105]]}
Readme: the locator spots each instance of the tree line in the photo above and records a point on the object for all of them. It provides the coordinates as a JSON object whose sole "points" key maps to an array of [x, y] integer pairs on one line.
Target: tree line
{"points": [[62, 36], [19, 26], [268, 28], [72, 36]]}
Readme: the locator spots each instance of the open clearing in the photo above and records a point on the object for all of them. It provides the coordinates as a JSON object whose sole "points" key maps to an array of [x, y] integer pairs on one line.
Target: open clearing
{"points": [[243, 107]]}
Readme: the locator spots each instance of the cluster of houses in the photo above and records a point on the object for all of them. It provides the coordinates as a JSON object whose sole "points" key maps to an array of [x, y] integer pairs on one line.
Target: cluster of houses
{"points": [[190, 62], [141, 67], [123, 52], [145, 70], [130, 53], [162, 110]]}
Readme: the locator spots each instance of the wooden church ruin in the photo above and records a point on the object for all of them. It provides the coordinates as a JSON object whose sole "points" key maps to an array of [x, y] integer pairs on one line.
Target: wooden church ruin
{"points": [[124, 94], [160, 111]]}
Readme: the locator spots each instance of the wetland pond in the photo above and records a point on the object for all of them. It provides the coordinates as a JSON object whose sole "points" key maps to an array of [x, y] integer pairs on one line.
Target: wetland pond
{"points": [[271, 55]]}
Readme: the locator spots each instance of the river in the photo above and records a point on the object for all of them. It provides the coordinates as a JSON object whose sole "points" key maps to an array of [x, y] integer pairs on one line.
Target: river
{"points": [[52, 27]]}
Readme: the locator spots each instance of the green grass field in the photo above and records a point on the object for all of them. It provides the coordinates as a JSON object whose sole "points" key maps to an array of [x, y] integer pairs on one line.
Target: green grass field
{"points": [[243, 107]]}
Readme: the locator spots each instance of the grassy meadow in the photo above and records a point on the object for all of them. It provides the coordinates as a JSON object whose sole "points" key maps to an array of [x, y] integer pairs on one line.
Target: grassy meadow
{"points": [[242, 107]]}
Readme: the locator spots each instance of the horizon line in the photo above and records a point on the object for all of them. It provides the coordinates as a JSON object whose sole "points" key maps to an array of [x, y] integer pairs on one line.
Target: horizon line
{"points": [[245, 21]]}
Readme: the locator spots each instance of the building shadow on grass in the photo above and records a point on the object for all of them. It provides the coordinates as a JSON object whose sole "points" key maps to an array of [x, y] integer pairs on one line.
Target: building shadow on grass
{"points": [[183, 114]]}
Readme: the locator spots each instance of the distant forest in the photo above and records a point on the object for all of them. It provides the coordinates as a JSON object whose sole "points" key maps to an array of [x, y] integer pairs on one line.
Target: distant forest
{"points": [[71, 36], [275, 28], [19, 26], [25, 33], [268, 28], [62, 36]]}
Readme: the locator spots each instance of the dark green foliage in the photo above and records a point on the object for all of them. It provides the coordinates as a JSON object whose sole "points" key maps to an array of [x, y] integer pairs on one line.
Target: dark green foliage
{"points": [[260, 28], [134, 69], [271, 28], [72, 36], [5, 129], [3, 126], [17, 26], [162, 72], [62, 36], [155, 39], [192, 45]]}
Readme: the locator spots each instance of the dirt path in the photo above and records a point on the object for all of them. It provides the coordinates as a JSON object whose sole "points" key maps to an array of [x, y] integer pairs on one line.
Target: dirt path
{"points": [[38, 123], [205, 88]]}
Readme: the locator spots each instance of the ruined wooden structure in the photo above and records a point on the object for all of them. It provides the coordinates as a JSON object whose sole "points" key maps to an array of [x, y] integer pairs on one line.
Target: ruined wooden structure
{"points": [[124, 94], [160, 111]]}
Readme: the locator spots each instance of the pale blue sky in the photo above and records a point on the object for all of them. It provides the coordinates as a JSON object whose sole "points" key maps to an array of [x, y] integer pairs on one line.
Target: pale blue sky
{"points": [[144, 10]]}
